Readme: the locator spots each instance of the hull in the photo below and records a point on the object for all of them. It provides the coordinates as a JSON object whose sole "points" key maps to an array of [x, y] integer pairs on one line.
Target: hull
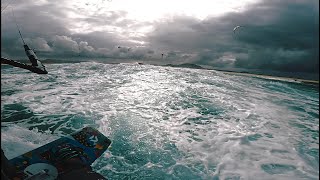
{"points": [[23, 66]]}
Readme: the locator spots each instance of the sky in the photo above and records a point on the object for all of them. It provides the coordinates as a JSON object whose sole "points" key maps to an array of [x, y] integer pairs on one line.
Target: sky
{"points": [[279, 35]]}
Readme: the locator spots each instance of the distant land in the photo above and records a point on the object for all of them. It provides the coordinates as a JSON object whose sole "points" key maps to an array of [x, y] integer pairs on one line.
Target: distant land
{"points": [[293, 77], [248, 73], [186, 65], [51, 61], [56, 61]]}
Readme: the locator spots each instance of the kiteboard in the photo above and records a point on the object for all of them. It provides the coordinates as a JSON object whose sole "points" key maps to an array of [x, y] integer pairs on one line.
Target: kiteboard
{"points": [[47, 162]]}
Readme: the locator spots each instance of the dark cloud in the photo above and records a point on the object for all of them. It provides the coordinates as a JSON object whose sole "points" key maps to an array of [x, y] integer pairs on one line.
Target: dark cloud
{"points": [[284, 37], [280, 59], [280, 35], [46, 28], [276, 35]]}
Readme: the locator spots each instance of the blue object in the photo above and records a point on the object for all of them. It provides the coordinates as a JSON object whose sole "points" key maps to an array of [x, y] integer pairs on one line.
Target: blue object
{"points": [[85, 146]]}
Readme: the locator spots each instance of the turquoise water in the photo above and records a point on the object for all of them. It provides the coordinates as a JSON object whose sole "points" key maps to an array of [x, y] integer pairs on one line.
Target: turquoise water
{"points": [[167, 123]]}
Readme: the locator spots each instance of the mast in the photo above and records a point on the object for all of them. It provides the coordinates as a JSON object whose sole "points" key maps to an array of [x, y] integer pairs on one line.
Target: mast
{"points": [[37, 66], [18, 27], [29, 52], [2, 10]]}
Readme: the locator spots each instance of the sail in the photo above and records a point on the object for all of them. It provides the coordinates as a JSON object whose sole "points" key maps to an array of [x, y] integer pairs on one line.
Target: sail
{"points": [[31, 55], [234, 29]]}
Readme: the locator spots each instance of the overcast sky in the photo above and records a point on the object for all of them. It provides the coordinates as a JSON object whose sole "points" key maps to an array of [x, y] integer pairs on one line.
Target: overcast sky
{"points": [[280, 35]]}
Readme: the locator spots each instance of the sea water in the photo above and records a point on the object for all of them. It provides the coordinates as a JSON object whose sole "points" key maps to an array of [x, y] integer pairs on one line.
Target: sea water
{"points": [[167, 123]]}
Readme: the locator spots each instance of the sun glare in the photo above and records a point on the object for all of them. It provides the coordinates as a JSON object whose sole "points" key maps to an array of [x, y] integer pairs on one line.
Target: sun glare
{"points": [[146, 10], [151, 10], [142, 11]]}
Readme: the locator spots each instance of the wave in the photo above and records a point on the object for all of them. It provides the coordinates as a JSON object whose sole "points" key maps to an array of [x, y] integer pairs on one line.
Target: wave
{"points": [[167, 122]]}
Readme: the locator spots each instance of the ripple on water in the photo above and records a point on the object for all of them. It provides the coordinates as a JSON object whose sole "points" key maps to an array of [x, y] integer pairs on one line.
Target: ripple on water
{"points": [[277, 168], [168, 123]]}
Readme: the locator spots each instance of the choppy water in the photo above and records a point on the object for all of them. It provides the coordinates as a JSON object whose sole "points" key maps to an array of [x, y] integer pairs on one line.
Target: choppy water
{"points": [[167, 123]]}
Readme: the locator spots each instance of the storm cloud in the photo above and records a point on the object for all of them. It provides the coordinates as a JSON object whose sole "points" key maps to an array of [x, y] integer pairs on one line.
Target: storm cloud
{"points": [[276, 35], [280, 35]]}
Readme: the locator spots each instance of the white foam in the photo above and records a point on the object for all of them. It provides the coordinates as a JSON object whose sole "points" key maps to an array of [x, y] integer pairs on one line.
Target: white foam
{"points": [[229, 126], [16, 140]]}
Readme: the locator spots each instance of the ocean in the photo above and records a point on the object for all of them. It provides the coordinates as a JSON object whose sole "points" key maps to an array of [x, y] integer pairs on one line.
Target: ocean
{"points": [[165, 122]]}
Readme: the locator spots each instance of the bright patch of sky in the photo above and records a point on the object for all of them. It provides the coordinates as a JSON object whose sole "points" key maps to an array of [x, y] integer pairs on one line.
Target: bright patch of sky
{"points": [[147, 10], [150, 11]]}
